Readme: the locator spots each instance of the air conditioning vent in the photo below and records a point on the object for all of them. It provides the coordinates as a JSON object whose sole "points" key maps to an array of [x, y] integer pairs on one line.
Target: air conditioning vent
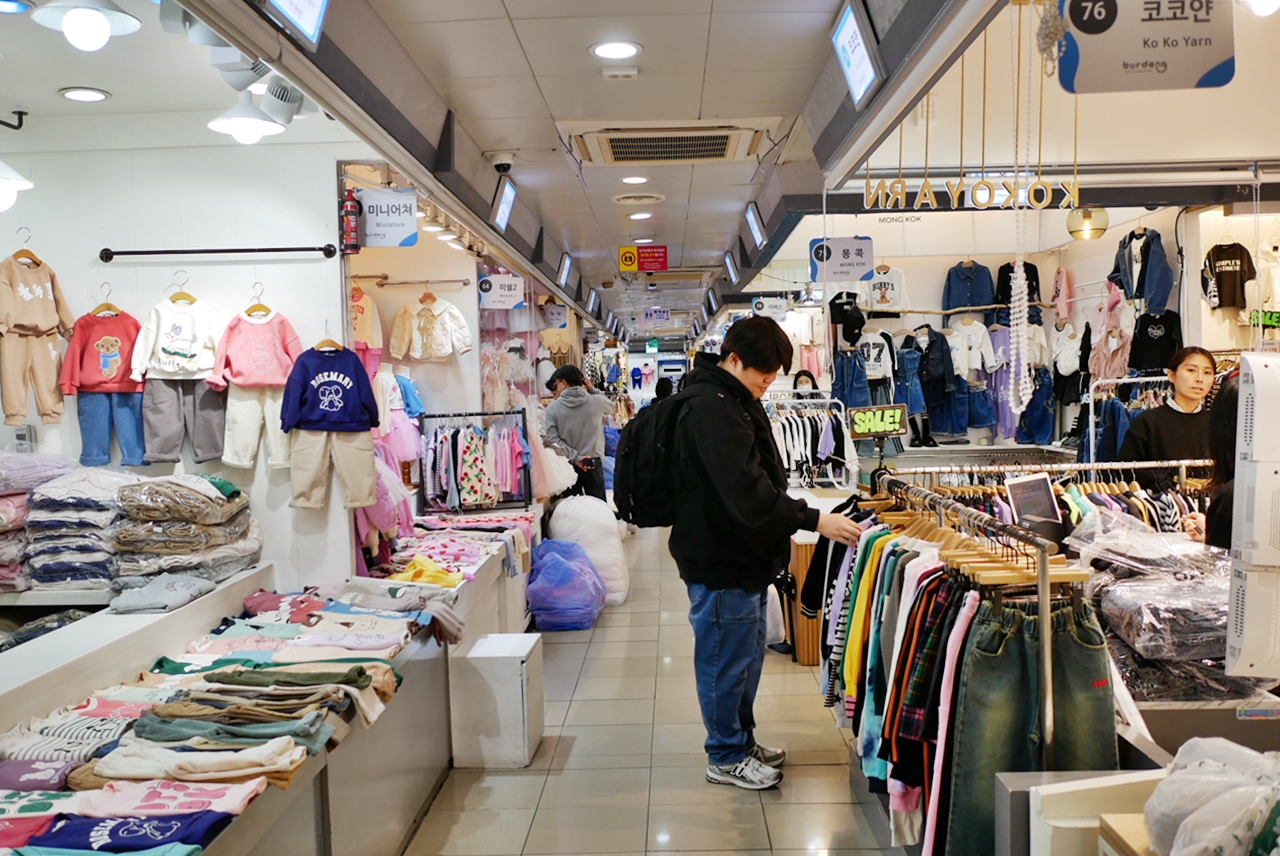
{"points": [[639, 199], [668, 148], [639, 146]]}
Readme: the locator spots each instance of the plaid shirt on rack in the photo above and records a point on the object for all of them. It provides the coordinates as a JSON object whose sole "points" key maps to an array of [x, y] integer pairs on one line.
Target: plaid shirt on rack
{"points": [[914, 714]]}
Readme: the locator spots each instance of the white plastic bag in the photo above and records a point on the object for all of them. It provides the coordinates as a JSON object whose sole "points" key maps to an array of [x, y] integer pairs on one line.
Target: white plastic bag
{"points": [[1227, 825], [589, 522], [775, 625]]}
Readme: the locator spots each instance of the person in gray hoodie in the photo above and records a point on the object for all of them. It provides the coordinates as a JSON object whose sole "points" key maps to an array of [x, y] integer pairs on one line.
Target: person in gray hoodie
{"points": [[575, 428]]}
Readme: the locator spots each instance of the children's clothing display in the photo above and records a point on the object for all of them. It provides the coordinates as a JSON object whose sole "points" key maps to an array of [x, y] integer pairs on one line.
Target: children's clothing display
{"points": [[400, 433], [97, 371], [364, 329], [878, 352], [33, 314], [179, 341], [1227, 267], [329, 402], [886, 290], [1004, 292], [968, 284], [845, 312], [253, 362], [1142, 271], [1155, 340], [466, 468], [434, 332]]}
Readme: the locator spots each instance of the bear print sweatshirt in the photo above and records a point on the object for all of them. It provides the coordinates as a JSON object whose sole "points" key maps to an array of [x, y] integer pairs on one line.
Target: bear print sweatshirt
{"points": [[100, 355]]}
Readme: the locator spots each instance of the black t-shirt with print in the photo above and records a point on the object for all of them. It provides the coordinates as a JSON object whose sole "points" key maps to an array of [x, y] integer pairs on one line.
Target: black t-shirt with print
{"points": [[1227, 267], [1155, 340]]}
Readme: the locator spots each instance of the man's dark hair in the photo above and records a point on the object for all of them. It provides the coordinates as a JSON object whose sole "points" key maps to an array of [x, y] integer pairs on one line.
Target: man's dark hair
{"points": [[1222, 432], [571, 375], [759, 343], [662, 389]]}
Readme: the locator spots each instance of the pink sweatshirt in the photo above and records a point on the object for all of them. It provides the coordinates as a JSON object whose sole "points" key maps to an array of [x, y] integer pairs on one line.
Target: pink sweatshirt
{"points": [[255, 352]]}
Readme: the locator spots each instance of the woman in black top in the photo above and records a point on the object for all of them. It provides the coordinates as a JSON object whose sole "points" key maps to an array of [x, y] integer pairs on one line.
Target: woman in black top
{"points": [[1222, 448], [806, 385], [1178, 429]]}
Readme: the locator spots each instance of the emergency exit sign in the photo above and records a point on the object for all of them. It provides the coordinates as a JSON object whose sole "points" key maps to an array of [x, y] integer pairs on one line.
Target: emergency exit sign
{"points": [[642, 259]]}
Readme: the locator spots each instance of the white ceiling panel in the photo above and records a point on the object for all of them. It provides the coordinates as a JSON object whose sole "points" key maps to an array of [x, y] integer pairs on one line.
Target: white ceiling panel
{"points": [[487, 48], [726, 202], [671, 43], [618, 8], [537, 137], [722, 174], [479, 98], [768, 41], [608, 179], [651, 96], [828, 6], [431, 11], [738, 93]]}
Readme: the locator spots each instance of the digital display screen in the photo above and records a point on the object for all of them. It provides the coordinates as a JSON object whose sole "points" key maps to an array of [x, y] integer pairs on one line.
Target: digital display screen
{"points": [[562, 273], [504, 202], [756, 226], [1032, 496], [302, 19], [730, 268], [858, 54]]}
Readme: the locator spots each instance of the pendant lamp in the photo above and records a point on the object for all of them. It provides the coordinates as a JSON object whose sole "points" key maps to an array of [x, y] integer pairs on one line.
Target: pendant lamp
{"points": [[1263, 8], [87, 24], [1086, 224], [245, 122], [10, 183]]}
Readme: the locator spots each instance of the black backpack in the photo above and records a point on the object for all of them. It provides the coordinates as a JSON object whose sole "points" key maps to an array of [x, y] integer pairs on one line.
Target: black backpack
{"points": [[644, 474]]}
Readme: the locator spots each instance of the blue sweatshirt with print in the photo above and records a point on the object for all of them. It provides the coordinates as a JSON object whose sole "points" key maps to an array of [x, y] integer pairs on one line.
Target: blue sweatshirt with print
{"points": [[329, 391]]}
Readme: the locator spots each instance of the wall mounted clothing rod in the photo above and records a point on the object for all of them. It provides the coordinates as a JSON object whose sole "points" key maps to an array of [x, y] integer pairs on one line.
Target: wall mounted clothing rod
{"points": [[107, 254], [380, 280]]}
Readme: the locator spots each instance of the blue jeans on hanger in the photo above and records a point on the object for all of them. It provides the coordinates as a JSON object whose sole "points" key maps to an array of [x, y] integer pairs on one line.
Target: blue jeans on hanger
{"points": [[982, 408], [728, 656], [850, 382], [1036, 425], [951, 416], [906, 382]]}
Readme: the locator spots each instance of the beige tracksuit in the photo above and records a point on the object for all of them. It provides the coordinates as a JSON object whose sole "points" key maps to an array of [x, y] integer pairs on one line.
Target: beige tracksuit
{"points": [[33, 313]]}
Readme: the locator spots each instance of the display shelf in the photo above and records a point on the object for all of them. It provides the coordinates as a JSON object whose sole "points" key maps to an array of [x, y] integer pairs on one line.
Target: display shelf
{"points": [[85, 597]]}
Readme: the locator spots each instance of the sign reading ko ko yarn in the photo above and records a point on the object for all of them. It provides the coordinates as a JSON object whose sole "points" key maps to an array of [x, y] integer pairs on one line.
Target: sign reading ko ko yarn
{"points": [[390, 219], [840, 259], [501, 292], [1131, 46]]}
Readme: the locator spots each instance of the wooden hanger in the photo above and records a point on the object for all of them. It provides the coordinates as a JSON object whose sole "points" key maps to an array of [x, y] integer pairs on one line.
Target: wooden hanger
{"points": [[104, 307], [968, 264], [427, 297], [1140, 231], [883, 268], [24, 254], [180, 294], [258, 308]]}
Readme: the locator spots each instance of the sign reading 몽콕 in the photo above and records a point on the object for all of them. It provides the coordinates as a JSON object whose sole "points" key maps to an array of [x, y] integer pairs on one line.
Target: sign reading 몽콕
{"points": [[1131, 46], [658, 315], [501, 292], [886, 420], [840, 259], [556, 315], [773, 307], [642, 259], [390, 219]]}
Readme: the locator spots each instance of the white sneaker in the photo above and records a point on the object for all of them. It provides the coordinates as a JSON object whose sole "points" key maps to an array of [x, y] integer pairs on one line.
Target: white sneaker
{"points": [[747, 773], [769, 757]]}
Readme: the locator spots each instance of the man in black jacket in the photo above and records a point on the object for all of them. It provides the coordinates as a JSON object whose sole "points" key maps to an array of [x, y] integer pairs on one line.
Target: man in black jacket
{"points": [[732, 536]]}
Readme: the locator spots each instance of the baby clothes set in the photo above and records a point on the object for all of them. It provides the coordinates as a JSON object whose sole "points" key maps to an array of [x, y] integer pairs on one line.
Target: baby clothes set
{"points": [[96, 371], [433, 332], [329, 408], [33, 314], [176, 351], [252, 364]]}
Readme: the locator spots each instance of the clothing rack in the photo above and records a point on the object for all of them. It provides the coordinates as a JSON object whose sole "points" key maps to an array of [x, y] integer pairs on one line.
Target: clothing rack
{"points": [[106, 254], [919, 497], [380, 280], [836, 407], [526, 477], [1093, 394], [1114, 466]]}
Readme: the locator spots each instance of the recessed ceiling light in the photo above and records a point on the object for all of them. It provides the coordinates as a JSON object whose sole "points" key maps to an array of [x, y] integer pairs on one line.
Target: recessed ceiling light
{"points": [[640, 215], [455, 245], [14, 7], [615, 50], [635, 179], [644, 240], [84, 94]]}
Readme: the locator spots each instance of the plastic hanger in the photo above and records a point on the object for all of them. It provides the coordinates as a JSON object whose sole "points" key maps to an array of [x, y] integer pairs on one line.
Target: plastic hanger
{"points": [[356, 292], [258, 308], [24, 254], [180, 294], [104, 307], [327, 343]]}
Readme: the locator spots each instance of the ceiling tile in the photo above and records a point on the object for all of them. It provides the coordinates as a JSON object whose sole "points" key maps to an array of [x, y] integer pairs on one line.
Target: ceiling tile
{"points": [[619, 8], [662, 179], [671, 44], [537, 136], [831, 7], [728, 203], [722, 174], [793, 39], [675, 97], [430, 11], [753, 93], [515, 97], [487, 48]]}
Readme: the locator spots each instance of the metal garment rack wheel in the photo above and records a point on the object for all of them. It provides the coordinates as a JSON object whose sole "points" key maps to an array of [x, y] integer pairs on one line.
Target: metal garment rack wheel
{"points": [[926, 499], [106, 254]]}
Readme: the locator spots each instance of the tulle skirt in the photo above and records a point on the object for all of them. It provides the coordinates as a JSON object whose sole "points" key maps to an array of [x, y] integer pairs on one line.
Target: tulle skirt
{"points": [[402, 437]]}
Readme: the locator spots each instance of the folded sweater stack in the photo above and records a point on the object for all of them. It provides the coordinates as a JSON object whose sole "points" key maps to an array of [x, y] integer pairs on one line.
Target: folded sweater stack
{"points": [[70, 525], [19, 473]]}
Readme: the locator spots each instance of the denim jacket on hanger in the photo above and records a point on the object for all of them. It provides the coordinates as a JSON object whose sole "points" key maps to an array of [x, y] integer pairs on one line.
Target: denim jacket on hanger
{"points": [[1155, 288]]}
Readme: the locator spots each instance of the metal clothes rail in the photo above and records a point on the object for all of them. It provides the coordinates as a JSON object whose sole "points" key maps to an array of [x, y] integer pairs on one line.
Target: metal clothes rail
{"points": [[1112, 466], [985, 524], [1093, 397], [526, 478], [792, 401], [106, 254]]}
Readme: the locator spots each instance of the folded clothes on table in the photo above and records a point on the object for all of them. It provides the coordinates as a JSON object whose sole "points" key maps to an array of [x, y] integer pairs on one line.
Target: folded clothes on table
{"points": [[12, 578], [235, 714], [231, 627], [13, 512], [89, 489], [111, 708], [178, 536], [39, 519], [215, 563], [35, 775], [53, 565], [28, 803], [356, 676], [42, 544], [368, 701], [160, 798], [22, 471], [310, 731], [12, 545], [292, 608], [165, 593], [136, 759], [297, 654], [425, 570], [192, 497], [132, 834], [21, 743]]}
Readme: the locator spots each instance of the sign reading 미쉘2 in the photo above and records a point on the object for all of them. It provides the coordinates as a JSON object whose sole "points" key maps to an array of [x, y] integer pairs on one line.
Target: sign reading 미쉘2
{"points": [[887, 420]]}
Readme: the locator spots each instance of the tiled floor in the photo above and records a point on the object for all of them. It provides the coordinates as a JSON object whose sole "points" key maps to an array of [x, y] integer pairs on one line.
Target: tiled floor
{"points": [[621, 768]]}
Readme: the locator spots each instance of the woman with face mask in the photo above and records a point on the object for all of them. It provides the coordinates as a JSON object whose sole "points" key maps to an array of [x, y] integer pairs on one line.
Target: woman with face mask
{"points": [[806, 385]]}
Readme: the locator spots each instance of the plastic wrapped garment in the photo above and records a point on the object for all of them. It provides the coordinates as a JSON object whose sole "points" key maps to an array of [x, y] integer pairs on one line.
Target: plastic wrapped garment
{"points": [[179, 498], [20, 472], [214, 563], [177, 536], [13, 512], [590, 523], [1169, 619], [1214, 799], [565, 592], [41, 626], [1120, 539], [91, 489], [1169, 680]]}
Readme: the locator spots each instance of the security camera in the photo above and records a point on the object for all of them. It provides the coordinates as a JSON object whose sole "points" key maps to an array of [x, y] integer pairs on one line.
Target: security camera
{"points": [[502, 161]]}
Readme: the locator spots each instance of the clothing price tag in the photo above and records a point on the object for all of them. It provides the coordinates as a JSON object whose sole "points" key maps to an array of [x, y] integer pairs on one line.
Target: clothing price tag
{"points": [[840, 259], [502, 292], [886, 420]]}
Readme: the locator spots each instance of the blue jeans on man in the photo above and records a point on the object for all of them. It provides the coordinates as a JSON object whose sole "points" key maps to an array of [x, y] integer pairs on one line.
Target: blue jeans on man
{"points": [[728, 655]]}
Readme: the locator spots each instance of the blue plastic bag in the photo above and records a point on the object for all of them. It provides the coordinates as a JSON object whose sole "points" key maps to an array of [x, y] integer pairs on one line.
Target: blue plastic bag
{"points": [[609, 464], [565, 592], [611, 441]]}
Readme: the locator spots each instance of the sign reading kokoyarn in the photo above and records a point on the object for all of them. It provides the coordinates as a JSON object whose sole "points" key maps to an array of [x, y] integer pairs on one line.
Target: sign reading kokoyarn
{"points": [[961, 194], [886, 420]]}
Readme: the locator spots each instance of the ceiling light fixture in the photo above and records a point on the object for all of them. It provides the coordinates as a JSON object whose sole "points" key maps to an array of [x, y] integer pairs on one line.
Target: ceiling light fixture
{"points": [[282, 100], [455, 245], [1086, 224], [447, 234], [84, 94], [435, 222], [251, 78], [615, 50], [1263, 8], [635, 179], [245, 122], [10, 183], [87, 24], [644, 240], [640, 215], [14, 7]]}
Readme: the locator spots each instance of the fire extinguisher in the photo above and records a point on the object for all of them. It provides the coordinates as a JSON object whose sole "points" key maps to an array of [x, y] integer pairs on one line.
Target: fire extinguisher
{"points": [[349, 212]]}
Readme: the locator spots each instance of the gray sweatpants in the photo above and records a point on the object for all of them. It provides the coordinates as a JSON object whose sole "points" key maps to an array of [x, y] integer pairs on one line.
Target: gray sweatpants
{"points": [[172, 409]]}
